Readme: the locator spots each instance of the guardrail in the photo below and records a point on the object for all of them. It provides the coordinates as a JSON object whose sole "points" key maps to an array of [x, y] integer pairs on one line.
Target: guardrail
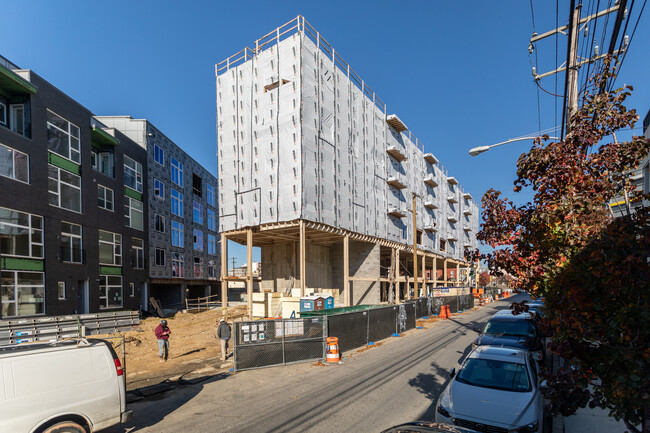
{"points": [[19, 330]]}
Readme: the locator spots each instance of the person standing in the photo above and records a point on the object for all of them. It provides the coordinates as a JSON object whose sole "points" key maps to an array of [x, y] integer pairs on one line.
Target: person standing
{"points": [[223, 333], [162, 334]]}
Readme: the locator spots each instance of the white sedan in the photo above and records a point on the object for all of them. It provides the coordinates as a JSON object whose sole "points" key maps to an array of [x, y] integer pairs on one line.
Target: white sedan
{"points": [[496, 390]]}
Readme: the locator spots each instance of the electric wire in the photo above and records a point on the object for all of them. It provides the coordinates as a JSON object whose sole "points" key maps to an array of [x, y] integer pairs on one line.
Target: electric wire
{"points": [[556, 40], [539, 109], [630, 39]]}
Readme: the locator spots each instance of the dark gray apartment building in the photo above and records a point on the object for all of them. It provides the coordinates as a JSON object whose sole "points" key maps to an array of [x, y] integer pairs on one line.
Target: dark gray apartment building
{"points": [[73, 235], [184, 243]]}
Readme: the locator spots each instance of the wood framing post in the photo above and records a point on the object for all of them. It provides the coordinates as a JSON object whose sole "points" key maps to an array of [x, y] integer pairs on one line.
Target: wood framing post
{"points": [[249, 271], [303, 266], [224, 271], [397, 278], [415, 252], [434, 271], [424, 273], [444, 276], [457, 273], [347, 295]]}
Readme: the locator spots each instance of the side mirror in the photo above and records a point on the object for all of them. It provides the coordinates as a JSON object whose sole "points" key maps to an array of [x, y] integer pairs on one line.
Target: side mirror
{"points": [[452, 372], [543, 385]]}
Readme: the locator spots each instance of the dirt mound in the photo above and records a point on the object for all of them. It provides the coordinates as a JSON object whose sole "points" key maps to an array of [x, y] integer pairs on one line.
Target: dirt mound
{"points": [[193, 341]]}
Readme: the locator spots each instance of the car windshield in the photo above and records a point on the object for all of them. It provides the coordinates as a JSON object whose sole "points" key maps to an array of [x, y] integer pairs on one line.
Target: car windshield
{"points": [[519, 328], [488, 373]]}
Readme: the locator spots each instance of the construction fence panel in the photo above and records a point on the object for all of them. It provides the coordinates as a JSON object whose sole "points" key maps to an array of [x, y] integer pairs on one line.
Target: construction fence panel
{"points": [[382, 322], [350, 328], [265, 343]]}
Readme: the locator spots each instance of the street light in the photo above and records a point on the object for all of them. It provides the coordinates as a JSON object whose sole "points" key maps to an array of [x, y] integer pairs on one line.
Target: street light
{"points": [[475, 151]]}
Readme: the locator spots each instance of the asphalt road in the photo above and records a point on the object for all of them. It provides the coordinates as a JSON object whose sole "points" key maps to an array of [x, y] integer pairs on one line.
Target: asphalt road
{"points": [[389, 384]]}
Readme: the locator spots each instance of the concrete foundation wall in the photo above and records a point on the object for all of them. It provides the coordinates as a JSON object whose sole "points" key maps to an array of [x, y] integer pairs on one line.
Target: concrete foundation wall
{"points": [[279, 263]]}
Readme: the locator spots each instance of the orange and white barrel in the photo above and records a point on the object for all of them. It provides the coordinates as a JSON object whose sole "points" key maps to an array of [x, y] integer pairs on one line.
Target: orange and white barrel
{"points": [[332, 350]]}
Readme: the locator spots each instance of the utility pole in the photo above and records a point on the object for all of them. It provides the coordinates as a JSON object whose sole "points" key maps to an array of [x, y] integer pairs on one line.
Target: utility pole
{"points": [[572, 65], [233, 266]]}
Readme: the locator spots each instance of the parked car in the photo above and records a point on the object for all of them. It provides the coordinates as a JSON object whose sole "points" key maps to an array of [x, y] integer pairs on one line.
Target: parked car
{"points": [[496, 390], [71, 386], [519, 331], [425, 427]]}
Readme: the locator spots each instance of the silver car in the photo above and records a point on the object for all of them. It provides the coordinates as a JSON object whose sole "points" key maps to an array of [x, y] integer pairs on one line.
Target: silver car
{"points": [[496, 390]]}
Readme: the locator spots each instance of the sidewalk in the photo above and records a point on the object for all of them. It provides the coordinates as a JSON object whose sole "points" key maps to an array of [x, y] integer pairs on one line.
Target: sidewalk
{"points": [[588, 420]]}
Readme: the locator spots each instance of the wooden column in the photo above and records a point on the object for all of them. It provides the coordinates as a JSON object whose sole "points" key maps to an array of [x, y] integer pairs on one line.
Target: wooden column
{"points": [[303, 266], [434, 271], [397, 277], [424, 273], [249, 270], [457, 273], [224, 271], [444, 276], [347, 293]]}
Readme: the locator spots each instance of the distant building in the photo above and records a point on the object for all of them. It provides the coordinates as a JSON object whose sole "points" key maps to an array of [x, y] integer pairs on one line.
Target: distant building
{"points": [[183, 216], [640, 177], [72, 213]]}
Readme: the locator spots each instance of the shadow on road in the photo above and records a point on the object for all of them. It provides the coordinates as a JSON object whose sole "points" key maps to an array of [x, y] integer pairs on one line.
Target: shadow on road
{"points": [[431, 385], [165, 403]]}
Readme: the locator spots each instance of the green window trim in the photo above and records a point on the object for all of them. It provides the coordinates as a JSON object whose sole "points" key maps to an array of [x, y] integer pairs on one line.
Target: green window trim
{"points": [[63, 163], [110, 270], [16, 264], [133, 194], [99, 137], [14, 83]]}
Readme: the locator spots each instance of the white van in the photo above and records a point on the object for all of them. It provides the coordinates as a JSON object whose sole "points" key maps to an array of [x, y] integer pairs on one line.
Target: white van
{"points": [[70, 386]]}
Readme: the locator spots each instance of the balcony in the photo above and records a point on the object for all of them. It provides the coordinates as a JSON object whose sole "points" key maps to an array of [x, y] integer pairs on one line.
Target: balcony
{"points": [[452, 199], [430, 158], [396, 212], [467, 212], [396, 123], [395, 182], [430, 180], [467, 229], [452, 180], [467, 196], [451, 238], [396, 152], [431, 228], [452, 219], [430, 204]]}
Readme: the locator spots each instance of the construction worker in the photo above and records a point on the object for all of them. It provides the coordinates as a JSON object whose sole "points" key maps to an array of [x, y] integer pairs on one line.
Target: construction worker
{"points": [[223, 334], [162, 334]]}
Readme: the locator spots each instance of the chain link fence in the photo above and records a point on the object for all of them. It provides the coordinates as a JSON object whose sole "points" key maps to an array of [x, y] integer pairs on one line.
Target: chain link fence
{"points": [[265, 343]]}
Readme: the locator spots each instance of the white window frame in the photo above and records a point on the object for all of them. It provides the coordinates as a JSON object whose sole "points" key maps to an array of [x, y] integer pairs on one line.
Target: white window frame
{"points": [[176, 171], [13, 163], [3, 119], [211, 197], [70, 242], [116, 248], [103, 292], [161, 218], [59, 183], [135, 171], [60, 285], [212, 220], [132, 289], [139, 252], [157, 150], [178, 262], [131, 208], [197, 209], [212, 269], [178, 200], [73, 155], [16, 290], [212, 244], [102, 190], [32, 231], [200, 263], [180, 232], [12, 118], [158, 189]]}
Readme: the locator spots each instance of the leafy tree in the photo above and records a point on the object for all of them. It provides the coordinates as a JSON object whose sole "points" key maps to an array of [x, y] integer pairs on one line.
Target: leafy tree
{"points": [[484, 278], [593, 270]]}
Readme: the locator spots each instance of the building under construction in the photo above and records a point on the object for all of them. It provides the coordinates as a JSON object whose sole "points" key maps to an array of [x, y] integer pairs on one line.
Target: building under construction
{"points": [[315, 170]]}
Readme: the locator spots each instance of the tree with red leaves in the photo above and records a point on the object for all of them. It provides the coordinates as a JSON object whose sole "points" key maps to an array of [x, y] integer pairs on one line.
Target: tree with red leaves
{"points": [[484, 278], [592, 269]]}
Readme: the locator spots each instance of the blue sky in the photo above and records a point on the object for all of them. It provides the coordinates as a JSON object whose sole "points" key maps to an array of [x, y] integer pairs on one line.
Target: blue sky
{"points": [[457, 73]]}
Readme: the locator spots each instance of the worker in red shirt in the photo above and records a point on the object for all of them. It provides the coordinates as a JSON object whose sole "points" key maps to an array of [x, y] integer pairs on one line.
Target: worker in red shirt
{"points": [[162, 334]]}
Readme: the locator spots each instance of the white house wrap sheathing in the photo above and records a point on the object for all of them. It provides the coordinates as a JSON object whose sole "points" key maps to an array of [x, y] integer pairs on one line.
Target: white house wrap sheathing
{"points": [[299, 139]]}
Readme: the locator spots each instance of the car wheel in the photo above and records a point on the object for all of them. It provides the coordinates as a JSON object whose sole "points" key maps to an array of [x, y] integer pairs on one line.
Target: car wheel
{"points": [[66, 427]]}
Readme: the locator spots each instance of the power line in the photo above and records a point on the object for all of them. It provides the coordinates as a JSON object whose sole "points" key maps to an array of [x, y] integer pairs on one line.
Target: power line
{"points": [[630, 39]]}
